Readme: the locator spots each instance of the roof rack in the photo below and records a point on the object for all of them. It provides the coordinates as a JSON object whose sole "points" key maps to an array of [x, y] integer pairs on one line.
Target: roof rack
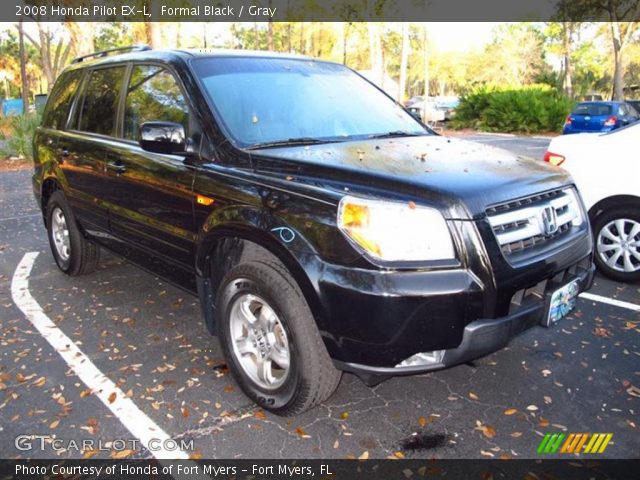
{"points": [[104, 53]]}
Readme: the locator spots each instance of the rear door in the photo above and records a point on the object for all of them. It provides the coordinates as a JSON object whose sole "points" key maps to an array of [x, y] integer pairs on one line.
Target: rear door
{"points": [[50, 137], [89, 143], [150, 195]]}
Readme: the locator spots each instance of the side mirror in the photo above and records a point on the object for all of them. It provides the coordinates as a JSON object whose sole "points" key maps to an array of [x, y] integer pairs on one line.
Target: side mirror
{"points": [[163, 137]]}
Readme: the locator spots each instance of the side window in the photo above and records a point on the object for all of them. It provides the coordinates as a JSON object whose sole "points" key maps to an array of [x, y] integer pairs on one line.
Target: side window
{"points": [[622, 110], [100, 103], [153, 94], [57, 109]]}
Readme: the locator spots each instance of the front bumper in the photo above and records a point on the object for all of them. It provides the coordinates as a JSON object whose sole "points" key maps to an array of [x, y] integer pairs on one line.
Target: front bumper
{"points": [[485, 336]]}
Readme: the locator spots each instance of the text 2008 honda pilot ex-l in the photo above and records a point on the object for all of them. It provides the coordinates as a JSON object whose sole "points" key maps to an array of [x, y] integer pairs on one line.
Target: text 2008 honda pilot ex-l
{"points": [[323, 227]]}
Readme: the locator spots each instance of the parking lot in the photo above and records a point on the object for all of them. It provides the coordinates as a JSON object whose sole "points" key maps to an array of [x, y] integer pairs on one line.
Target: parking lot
{"points": [[147, 338]]}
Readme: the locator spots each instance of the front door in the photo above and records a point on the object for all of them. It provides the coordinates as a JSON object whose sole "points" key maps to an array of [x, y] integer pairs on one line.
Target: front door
{"points": [[150, 195]]}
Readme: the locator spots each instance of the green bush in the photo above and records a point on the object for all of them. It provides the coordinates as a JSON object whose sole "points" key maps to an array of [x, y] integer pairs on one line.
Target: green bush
{"points": [[18, 141], [533, 109]]}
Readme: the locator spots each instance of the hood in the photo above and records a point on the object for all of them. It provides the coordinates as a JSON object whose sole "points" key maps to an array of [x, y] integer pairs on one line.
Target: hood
{"points": [[460, 177]]}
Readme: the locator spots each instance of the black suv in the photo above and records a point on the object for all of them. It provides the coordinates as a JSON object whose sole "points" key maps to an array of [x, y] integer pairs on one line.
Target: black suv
{"points": [[323, 228]]}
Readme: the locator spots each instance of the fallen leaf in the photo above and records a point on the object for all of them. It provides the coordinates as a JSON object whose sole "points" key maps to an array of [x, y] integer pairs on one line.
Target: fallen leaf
{"points": [[260, 414], [54, 424], [633, 391], [516, 434], [399, 455], [487, 430], [122, 453], [228, 388], [90, 453], [344, 415], [510, 411], [532, 408], [543, 422], [364, 456], [601, 332], [546, 372], [197, 455], [336, 444], [112, 398], [185, 412], [40, 382], [473, 396], [20, 377], [422, 421], [301, 433]]}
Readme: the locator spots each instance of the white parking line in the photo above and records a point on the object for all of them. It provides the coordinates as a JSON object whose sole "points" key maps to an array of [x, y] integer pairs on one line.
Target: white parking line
{"points": [[610, 301], [134, 419]]}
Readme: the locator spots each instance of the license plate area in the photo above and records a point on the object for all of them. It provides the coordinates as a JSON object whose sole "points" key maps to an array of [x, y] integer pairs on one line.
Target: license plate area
{"points": [[560, 301]]}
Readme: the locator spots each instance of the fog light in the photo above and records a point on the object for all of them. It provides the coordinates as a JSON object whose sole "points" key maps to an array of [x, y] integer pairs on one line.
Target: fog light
{"points": [[423, 358]]}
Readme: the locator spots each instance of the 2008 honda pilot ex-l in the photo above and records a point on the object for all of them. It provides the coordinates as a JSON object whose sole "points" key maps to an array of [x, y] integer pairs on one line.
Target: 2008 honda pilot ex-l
{"points": [[323, 227]]}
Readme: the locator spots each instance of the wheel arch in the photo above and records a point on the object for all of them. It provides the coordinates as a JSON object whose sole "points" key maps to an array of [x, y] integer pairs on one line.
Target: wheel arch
{"points": [[229, 245], [616, 201], [49, 185]]}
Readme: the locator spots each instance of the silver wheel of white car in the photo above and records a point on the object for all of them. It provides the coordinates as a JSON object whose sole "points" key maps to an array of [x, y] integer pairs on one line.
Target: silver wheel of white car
{"points": [[617, 244]]}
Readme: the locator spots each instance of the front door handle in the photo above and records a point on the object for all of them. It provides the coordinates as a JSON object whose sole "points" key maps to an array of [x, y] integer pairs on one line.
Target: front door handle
{"points": [[118, 168]]}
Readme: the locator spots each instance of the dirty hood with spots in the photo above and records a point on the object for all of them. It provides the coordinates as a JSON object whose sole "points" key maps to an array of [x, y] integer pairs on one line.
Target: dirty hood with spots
{"points": [[461, 178]]}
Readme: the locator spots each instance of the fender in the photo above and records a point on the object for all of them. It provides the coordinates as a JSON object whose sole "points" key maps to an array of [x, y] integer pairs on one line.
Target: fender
{"points": [[238, 234]]}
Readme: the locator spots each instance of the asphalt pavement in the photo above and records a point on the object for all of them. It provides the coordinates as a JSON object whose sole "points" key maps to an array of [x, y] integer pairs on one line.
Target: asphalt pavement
{"points": [[148, 341]]}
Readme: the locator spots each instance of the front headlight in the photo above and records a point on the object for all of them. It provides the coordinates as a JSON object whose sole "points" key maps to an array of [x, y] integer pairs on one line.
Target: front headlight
{"points": [[394, 231]]}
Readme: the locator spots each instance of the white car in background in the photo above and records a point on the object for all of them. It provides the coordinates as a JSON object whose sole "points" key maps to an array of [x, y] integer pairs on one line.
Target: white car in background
{"points": [[606, 169]]}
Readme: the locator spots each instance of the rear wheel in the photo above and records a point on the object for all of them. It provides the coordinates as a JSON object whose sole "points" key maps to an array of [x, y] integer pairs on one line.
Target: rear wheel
{"points": [[73, 253], [617, 243], [271, 341]]}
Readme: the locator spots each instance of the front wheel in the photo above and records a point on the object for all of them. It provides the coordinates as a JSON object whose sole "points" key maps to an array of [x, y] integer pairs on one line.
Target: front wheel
{"points": [[617, 243], [271, 341]]}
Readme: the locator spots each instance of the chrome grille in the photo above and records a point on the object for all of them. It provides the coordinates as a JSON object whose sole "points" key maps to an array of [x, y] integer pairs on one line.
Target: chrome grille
{"points": [[522, 224]]}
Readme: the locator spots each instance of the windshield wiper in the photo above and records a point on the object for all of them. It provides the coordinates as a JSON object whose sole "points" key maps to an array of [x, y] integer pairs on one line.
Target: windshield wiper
{"points": [[290, 143], [397, 133]]}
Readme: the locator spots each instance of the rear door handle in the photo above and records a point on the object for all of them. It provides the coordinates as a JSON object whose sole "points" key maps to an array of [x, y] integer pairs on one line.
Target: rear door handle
{"points": [[118, 168]]}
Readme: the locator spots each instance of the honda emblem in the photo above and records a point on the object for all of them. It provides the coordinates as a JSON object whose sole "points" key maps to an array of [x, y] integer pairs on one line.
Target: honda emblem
{"points": [[549, 220]]}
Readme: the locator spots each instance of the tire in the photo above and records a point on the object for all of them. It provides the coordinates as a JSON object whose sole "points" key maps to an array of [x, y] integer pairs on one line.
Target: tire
{"points": [[266, 292], [617, 253], [73, 253]]}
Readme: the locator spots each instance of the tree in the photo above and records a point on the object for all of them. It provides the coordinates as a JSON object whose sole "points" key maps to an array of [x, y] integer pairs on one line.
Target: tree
{"points": [[623, 17], [403, 63], [23, 69], [561, 38], [53, 56], [514, 57]]}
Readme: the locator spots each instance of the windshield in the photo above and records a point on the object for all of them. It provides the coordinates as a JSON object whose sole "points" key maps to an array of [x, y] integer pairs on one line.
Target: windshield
{"points": [[593, 109], [272, 100]]}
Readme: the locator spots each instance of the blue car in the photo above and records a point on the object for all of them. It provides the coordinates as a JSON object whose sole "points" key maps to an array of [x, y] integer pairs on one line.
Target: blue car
{"points": [[599, 117]]}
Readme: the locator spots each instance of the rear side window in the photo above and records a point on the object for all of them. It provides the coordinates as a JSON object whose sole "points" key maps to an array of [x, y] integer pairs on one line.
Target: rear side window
{"points": [[593, 109], [153, 94], [100, 101], [57, 110]]}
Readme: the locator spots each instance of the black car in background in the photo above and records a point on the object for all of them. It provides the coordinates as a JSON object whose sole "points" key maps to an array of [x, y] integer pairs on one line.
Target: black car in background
{"points": [[323, 228]]}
